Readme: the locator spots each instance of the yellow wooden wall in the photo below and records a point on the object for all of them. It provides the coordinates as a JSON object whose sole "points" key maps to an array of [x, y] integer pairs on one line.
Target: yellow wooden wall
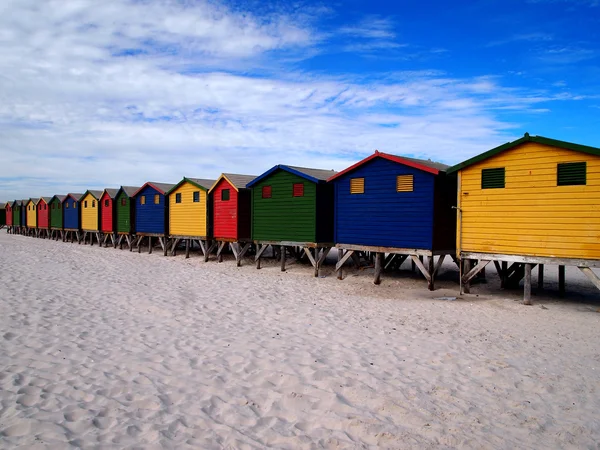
{"points": [[187, 218], [531, 216], [31, 215], [89, 215]]}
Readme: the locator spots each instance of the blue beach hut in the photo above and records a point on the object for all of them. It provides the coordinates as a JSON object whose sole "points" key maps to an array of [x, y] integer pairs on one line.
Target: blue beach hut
{"points": [[151, 215], [396, 208], [72, 217]]}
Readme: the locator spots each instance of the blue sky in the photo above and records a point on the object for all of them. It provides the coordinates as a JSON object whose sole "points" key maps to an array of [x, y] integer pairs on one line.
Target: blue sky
{"points": [[103, 94]]}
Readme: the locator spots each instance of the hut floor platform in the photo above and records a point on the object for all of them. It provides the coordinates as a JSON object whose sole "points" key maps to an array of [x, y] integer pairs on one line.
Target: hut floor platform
{"points": [[386, 257], [315, 252], [514, 268]]}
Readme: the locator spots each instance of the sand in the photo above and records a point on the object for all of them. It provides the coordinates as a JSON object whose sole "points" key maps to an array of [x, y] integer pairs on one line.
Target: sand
{"points": [[102, 348]]}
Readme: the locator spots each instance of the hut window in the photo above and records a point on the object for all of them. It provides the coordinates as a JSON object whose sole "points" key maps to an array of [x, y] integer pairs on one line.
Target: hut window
{"points": [[85, 204], [106, 203], [196, 196], [225, 195], [123, 202], [156, 199], [405, 183], [298, 190], [571, 174], [357, 185], [67, 205], [58, 206], [93, 203], [177, 198], [266, 192], [75, 205], [53, 206], [143, 200], [492, 178]]}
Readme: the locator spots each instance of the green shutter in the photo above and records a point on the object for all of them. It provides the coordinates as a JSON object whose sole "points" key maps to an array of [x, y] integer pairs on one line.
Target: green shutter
{"points": [[492, 178], [571, 174]]}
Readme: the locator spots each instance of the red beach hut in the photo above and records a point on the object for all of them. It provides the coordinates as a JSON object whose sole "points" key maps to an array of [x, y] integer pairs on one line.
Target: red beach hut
{"points": [[43, 209], [232, 206], [107, 215]]}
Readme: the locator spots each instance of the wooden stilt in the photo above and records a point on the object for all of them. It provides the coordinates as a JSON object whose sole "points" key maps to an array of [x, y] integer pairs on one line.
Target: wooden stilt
{"points": [[220, 249], [378, 267], [338, 266], [591, 276], [527, 285], [561, 280], [431, 268], [466, 270], [540, 277], [282, 257], [321, 259], [187, 248]]}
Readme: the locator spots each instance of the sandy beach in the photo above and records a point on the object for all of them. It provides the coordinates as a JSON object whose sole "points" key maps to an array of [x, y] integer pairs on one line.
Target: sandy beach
{"points": [[102, 348]]}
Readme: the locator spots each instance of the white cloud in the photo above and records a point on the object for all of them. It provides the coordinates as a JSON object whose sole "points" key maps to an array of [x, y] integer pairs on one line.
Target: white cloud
{"points": [[99, 94]]}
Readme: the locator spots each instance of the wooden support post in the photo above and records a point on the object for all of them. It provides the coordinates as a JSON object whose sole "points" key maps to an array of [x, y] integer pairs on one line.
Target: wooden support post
{"points": [[149, 244], [220, 249], [561, 280], [310, 256], [338, 266], [591, 275], [378, 268], [527, 285], [413, 266], [431, 268], [466, 270], [421, 267], [241, 253], [174, 246], [164, 242], [321, 259], [504, 278], [540, 277], [187, 248], [282, 257]]}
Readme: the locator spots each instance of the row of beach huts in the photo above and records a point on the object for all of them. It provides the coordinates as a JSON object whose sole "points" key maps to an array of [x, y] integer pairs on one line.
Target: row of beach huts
{"points": [[527, 203]]}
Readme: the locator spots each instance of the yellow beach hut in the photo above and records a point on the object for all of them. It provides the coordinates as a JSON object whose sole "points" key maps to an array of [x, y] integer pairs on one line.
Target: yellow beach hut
{"points": [[188, 214], [529, 202], [90, 216], [31, 215]]}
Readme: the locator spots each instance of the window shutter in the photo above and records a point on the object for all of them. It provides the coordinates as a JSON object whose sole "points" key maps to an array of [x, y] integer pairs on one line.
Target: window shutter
{"points": [[298, 190], [266, 192], [493, 178], [571, 174], [196, 196], [143, 200], [156, 199], [357, 186], [225, 195], [404, 183], [123, 202], [106, 203]]}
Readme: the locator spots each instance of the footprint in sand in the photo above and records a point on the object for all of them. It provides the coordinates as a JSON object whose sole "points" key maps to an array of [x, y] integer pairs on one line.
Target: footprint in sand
{"points": [[10, 336]]}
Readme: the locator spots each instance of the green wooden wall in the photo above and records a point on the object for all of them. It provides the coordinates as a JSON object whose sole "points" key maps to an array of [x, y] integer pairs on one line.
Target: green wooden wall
{"points": [[284, 217], [123, 214], [56, 215], [17, 216]]}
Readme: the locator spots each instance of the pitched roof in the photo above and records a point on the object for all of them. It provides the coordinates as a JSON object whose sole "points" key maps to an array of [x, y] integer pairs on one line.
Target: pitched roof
{"points": [[314, 175], [236, 180], [112, 193], [60, 198], [75, 197], [422, 164], [526, 138], [198, 182], [163, 188], [46, 199], [32, 200], [129, 190], [97, 194]]}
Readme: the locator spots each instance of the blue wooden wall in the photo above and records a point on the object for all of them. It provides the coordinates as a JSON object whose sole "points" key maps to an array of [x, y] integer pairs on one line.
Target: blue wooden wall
{"points": [[381, 216], [71, 214], [150, 218]]}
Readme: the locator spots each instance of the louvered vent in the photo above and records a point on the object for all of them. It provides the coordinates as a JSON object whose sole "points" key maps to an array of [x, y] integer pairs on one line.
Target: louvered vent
{"points": [[357, 186], [571, 174], [404, 183], [492, 178]]}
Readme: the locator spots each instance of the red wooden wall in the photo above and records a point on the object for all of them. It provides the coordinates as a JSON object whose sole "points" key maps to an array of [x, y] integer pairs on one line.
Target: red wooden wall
{"points": [[42, 214], [225, 212], [106, 213], [9, 215]]}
